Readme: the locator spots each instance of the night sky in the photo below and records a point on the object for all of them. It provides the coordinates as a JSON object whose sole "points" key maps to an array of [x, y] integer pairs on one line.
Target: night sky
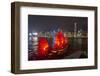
{"points": [[38, 23]]}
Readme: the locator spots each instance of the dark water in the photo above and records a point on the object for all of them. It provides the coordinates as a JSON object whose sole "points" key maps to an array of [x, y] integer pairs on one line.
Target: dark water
{"points": [[77, 45]]}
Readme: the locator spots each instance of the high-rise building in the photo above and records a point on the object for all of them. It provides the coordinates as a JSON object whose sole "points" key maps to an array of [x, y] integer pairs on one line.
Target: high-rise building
{"points": [[75, 29]]}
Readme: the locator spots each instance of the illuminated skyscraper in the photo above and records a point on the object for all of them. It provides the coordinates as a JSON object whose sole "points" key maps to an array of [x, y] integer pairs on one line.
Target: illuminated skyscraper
{"points": [[75, 29]]}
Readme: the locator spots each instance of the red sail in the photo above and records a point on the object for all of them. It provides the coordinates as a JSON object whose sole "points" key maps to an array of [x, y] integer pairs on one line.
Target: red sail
{"points": [[60, 41], [43, 47]]}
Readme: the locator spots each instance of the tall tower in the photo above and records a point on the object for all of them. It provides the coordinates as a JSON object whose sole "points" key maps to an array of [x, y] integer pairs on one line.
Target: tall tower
{"points": [[75, 29]]}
